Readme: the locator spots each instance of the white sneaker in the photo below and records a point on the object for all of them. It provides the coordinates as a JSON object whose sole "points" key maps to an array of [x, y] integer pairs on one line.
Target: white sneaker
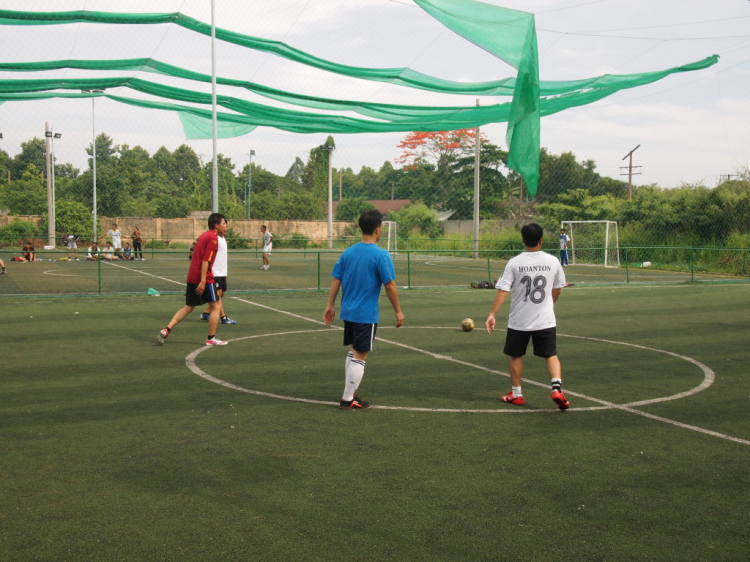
{"points": [[162, 337], [216, 342]]}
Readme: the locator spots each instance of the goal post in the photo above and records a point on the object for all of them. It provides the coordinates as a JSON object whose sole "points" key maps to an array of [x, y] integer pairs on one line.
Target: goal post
{"points": [[390, 236], [593, 242]]}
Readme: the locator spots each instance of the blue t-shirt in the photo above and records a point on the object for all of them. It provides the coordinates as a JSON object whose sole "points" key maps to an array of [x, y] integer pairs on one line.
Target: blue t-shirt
{"points": [[363, 269]]}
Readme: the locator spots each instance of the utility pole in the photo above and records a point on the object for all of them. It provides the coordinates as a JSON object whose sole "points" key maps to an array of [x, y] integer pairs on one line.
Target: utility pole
{"points": [[477, 143], [630, 171]]}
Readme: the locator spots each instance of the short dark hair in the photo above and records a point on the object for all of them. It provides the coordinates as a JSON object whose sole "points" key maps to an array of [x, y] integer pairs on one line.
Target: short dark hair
{"points": [[532, 233], [215, 219], [263, 226], [370, 220]]}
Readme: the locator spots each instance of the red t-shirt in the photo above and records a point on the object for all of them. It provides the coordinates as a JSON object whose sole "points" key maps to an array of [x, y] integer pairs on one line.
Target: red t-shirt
{"points": [[205, 250]]}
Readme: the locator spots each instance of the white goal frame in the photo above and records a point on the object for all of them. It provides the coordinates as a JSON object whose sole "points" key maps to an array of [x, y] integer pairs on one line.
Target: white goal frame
{"points": [[611, 242], [390, 236]]}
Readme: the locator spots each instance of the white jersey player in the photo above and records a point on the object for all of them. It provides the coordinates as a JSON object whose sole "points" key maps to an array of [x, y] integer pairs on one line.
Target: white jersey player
{"points": [[536, 280]]}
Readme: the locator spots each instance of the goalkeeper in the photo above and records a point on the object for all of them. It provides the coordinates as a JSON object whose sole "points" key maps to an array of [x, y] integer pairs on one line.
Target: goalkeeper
{"points": [[536, 280]]}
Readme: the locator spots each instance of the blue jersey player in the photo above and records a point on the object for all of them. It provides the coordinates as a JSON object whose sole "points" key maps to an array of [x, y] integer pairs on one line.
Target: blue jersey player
{"points": [[360, 273]]}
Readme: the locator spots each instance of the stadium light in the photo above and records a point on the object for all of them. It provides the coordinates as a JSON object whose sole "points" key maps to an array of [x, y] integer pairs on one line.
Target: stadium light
{"points": [[50, 137], [93, 155], [249, 181], [329, 149]]}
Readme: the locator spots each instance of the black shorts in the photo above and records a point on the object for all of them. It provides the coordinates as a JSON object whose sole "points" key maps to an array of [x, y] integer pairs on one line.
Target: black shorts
{"points": [[359, 336], [221, 284], [545, 342], [208, 295]]}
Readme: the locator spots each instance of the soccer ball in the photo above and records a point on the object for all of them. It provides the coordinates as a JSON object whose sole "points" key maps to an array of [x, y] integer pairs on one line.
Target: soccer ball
{"points": [[467, 325]]}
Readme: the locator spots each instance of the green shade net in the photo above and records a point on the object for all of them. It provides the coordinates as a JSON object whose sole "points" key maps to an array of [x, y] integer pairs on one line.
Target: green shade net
{"points": [[508, 34]]}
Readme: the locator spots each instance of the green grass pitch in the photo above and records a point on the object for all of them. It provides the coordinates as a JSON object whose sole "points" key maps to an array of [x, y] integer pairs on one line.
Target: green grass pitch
{"points": [[114, 448]]}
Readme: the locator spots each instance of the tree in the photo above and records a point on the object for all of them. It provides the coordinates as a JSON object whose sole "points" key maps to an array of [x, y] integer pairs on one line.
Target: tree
{"points": [[416, 218], [351, 209], [26, 196], [437, 147], [71, 218], [296, 171], [32, 152]]}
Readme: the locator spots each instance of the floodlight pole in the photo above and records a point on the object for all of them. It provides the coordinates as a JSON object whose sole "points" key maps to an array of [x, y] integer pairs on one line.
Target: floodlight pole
{"points": [[630, 171], [249, 182], [215, 164], [477, 143], [93, 156], [50, 196], [329, 149]]}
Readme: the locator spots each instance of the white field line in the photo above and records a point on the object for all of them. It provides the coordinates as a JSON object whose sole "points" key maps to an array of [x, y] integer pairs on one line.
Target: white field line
{"points": [[709, 377]]}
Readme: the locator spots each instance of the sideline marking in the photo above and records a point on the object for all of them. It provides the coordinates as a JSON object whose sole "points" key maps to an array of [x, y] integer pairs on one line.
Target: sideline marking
{"points": [[709, 377]]}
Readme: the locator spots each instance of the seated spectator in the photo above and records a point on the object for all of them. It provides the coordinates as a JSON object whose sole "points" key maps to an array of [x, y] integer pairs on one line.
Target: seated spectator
{"points": [[127, 252], [108, 252], [28, 252], [93, 254]]}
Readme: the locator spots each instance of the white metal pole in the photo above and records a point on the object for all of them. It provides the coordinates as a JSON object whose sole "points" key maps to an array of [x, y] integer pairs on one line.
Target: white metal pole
{"points": [[606, 241], [93, 154], [215, 165], [330, 201], [476, 191], [50, 204], [249, 182], [52, 158]]}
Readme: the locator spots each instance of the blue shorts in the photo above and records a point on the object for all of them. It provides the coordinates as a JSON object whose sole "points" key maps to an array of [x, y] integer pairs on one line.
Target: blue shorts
{"points": [[359, 336]]}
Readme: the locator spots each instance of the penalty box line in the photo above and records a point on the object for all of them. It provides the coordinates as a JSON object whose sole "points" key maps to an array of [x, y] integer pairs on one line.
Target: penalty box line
{"points": [[604, 403]]}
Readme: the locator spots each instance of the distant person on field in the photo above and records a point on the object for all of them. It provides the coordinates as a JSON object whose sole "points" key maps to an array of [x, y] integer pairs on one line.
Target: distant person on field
{"points": [[536, 280], [200, 288], [192, 249], [72, 243], [267, 245], [137, 240], [360, 272], [28, 252], [2, 264], [108, 252], [220, 282], [93, 254], [116, 236], [564, 243], [127, 253]]}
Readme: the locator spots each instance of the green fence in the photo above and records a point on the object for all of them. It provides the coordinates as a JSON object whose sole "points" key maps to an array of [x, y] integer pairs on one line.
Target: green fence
{"points": [[309, 270]]}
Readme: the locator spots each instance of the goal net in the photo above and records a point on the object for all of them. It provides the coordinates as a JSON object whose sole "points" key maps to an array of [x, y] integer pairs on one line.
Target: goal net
{"points": [[390, 236], [592, 243]]}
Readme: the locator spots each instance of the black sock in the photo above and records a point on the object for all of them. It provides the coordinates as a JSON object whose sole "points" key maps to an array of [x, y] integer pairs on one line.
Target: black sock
{"points": [[210, 337], [168, 329], [557, 385]]}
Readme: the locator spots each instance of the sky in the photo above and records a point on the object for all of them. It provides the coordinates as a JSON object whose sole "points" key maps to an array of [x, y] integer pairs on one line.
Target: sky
{"points": [[692, 128]]}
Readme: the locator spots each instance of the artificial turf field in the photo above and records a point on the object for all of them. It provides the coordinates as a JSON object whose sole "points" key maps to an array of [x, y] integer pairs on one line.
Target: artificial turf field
{"points": [[114, 448]]}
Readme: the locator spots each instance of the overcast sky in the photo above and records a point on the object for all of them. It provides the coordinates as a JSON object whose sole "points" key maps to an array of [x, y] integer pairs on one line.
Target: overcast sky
{"points": [[691, 127]]}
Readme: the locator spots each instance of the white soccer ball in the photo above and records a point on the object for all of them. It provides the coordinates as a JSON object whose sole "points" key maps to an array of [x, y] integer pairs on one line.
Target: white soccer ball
{"points": [[467, 325]]}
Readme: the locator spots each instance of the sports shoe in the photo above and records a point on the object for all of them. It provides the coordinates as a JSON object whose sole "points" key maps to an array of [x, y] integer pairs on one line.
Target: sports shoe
{"points": [[205, 316], [216, 342], [162, 337], [354, 404], [510, 399], [227, 320], [560, 400]]}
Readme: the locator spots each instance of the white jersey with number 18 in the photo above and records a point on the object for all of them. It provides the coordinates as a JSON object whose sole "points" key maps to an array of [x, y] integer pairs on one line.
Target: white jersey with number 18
{"points": [[530, 277]]}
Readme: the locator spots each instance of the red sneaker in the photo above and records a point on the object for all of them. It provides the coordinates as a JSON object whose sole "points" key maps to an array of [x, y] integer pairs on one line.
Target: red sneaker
{"points": [[510, 399], [559, 399]]}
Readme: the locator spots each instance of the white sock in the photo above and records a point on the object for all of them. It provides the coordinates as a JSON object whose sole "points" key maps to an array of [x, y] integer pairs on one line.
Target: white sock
{"points": [[354, 375], [516, 391], [349, 357]]}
